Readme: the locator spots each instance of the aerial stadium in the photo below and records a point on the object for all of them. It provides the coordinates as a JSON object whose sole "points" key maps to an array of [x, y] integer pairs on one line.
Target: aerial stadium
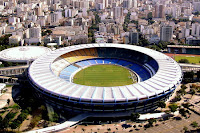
{"points": [[104, 78]]}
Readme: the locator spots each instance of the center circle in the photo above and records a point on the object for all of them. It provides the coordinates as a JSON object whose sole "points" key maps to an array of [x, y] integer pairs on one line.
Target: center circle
{"points": [[105, 76]]}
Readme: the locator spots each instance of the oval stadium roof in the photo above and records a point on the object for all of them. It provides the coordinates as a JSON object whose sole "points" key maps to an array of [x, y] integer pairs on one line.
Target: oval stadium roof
{"points": [[23, 53], [169, 74]]}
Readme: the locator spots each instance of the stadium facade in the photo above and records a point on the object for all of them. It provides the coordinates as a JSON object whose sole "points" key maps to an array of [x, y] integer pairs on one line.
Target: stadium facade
{"points": [[51, 75]]}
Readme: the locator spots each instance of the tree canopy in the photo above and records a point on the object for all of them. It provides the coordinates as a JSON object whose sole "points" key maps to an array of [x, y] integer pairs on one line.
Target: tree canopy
{"points": [[173, 107], [161, 104], [135, 116]]}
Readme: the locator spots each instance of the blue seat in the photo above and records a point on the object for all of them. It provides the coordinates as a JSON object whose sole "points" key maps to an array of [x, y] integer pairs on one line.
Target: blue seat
{"points": [[66, 72], [80, 64], [92, 61], [107, 61], [85, 62], [99, 61], [123, 63], [114, 61], [153, 64]]}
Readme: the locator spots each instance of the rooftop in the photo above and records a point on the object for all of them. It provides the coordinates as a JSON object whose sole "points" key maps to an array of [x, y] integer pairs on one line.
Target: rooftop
{"points": [[23, 53], [182, 46]]}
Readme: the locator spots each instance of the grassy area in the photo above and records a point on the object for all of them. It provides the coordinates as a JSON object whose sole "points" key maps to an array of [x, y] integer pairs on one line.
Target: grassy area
{"points": [[103, 75], [191, 59]]}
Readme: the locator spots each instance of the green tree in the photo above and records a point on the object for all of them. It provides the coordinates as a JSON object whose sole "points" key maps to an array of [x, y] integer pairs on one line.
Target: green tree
{"points": [[142, 41], [83, 129], [183, 86], [198, 74], [151, 21], [97, 18], [125, 28], [194, 124], [49, 31], [169, 17], [126, 21], [8, 101], [149, 16], [163, 45], [1, 121], [15, 124], [185, 105], [182, 111], [5, 123], [161, 104], [42, 108], [151, 121], [197, 13], [185, 128], [181, 92], [55, 117], [10, 116], [173, 107], [188, 77], [4, 40], [183, 61], [135, 116], [192, 91]]}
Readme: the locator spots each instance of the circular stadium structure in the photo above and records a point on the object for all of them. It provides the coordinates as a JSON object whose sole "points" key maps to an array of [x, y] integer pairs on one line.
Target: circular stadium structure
{"points": [[23, 53], [157, 77]]}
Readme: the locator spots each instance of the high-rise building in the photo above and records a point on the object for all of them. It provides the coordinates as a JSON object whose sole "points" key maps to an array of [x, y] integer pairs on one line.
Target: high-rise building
{"points": [[117, 12], [127, 4], [35, 32], [196, 6], [55, 17], [101, 4], [33, 35], [71, 12], [166, 33], [68, 12], [133, 37], [176, 11], [196, 29], [159, 11], [134, 3]]}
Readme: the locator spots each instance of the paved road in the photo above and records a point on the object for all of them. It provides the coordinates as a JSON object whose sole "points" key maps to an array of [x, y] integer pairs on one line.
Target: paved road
{"points": [[9, 94], [169, 126], [62, 127], [173, 126]]}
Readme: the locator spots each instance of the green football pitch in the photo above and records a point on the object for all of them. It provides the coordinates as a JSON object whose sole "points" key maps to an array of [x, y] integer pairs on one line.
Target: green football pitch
{"points": [[190, 58], [104, 75]]}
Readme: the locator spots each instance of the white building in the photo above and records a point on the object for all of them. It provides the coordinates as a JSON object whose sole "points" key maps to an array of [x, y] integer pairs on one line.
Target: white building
{"points": [[57, 40], [196, 6], [10, 29], [134, 3], [127, 4], [134, 16], [176, 11], [196, 29], [35, 32], [102, 27], [70, 12], [55, 17], [13, 20], [33, 35], [117, 12], [14, 39]]}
